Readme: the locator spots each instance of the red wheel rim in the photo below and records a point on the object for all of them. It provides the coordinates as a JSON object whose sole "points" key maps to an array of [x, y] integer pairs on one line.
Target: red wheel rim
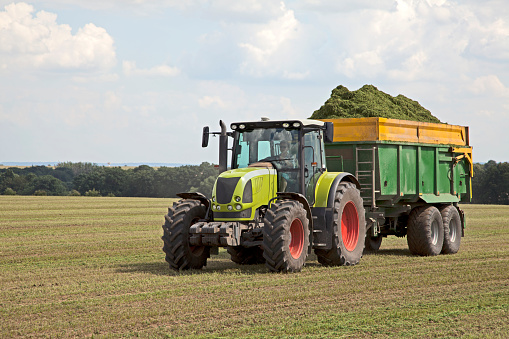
{"points": [[297, 242], [350, 226]]}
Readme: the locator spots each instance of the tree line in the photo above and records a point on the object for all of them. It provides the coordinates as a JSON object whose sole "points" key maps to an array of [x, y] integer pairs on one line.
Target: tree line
{"points": [[94, 180], [490, 184]]}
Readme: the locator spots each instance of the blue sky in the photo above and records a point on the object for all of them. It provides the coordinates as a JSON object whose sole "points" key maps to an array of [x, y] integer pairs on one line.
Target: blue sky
{"points": [[136, 80]]}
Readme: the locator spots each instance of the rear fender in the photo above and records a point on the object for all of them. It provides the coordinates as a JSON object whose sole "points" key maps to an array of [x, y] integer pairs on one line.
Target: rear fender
{"points": [[327, 186]]}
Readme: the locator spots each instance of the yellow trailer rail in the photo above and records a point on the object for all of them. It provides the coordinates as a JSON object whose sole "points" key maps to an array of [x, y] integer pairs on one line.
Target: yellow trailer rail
{"points": [[394, 130]]}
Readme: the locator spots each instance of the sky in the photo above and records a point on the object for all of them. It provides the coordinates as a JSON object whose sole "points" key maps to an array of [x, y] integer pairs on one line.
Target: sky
{"points": [[136, 80]]}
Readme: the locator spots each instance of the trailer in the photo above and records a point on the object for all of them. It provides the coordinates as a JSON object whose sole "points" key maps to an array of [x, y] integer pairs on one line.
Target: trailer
{"points": [[406, 168]]}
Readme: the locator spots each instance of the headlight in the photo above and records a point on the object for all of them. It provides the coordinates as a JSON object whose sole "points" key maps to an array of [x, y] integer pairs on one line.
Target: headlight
{"points": [[242, 126], [230, 207], [233, 126], [286, 125], [218, 207], [238, 207], [296, 124], [237, 199], [213, 199]]}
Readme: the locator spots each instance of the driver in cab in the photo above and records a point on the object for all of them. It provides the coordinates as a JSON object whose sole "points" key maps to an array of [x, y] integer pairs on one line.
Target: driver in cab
{"points": [[285, 158]]}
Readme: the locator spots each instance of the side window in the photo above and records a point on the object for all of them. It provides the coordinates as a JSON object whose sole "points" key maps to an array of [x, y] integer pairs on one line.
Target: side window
{"points": [[263, 149], [243, 156], [312, 163]]}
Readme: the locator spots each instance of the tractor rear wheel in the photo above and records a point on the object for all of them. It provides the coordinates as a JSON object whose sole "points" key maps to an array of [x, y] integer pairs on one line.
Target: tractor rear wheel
{"points": [[285, 236], [425, 234], [246, 255], [349, 228], [452, 229], [179, 254]]}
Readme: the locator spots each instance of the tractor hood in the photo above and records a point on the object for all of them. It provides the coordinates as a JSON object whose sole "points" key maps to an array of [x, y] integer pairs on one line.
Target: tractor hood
{"points": [[238, 193]]}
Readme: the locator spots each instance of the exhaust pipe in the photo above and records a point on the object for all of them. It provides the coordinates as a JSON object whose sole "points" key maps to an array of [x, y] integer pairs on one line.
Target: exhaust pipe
{"points": [[223, 148]]}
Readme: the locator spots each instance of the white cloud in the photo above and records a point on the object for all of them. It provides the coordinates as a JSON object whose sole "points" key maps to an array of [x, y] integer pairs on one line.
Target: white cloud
{"points": [[295, 75], [208, 101], [426, 40], [489, 84], [288, 109], [267, 42], [129, 68], [97, 79], [28, 42], [245, 11], [368, 63], [141, 7], [331, 6]]}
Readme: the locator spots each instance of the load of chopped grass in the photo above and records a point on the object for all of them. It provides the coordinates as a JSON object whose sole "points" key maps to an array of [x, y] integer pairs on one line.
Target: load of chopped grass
{"points": [[368, 101]]}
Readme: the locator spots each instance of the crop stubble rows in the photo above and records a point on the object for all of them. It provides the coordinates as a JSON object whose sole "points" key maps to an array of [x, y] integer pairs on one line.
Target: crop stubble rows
{"points": [[82, 266]]}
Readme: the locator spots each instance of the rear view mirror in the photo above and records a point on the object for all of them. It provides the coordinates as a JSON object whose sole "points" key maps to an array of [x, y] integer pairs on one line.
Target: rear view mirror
{"points": [[329, 132], [205, 137]]}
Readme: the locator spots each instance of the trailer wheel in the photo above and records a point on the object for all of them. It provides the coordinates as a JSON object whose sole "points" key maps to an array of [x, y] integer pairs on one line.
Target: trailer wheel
{"points": [[246, 255], [285, 236], [179, 254], [425, 234], [372, 244], [349, 228], [452, 229]]}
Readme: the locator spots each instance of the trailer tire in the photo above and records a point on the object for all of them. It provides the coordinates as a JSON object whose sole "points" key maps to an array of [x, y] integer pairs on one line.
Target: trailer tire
{"points": [[349, 228], [425, 234], [452, 229], [179, 254], [285, 236], [246, 255]]}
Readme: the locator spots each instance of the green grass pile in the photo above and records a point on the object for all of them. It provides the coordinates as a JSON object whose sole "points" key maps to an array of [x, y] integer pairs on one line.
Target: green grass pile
{"points": [[367, 102]]}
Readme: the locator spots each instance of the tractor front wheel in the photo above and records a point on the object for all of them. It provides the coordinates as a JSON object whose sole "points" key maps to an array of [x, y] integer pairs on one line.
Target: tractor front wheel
{"points": [[179, 254], [285, 236]]}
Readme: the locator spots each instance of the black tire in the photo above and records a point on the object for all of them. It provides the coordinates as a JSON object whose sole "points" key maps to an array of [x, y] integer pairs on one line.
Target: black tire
{"points": [[425, 234], [349, 228], [246, 255], [372, 244], [179, 254], [285, 236], [452, 229]]}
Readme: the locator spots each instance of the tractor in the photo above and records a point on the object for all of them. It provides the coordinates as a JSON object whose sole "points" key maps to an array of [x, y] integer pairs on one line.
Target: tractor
{"points": [[273, 204]]}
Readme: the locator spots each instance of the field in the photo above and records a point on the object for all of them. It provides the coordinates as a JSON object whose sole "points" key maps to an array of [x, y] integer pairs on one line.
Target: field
{"points": [[93, 267]]}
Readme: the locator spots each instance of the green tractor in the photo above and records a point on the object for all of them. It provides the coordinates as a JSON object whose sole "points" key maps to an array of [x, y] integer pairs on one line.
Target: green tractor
{"points": [[275, 203]]}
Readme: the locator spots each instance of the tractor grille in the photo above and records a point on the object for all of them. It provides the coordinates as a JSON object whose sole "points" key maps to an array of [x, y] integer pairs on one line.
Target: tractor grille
{"points": [[225, 188]]}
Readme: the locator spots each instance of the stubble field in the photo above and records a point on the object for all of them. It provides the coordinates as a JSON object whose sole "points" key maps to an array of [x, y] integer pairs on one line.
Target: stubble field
{"points": [[93, 267]]}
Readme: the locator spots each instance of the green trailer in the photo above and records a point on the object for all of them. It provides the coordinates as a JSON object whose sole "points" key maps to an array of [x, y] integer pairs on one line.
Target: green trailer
{"points": [[404, 169], [334, 186]]}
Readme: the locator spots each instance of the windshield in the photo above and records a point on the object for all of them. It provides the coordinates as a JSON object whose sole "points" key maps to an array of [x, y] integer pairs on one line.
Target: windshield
{"points": [[268, 144], [278, 146]]}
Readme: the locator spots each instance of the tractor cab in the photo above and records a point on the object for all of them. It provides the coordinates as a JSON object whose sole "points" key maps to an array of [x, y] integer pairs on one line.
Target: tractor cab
{"points": [[294, 149]]}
